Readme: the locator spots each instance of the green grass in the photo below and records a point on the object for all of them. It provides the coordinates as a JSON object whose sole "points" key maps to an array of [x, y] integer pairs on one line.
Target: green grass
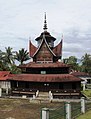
{"points": [[87, 115], [23, 109], [87, 93]]}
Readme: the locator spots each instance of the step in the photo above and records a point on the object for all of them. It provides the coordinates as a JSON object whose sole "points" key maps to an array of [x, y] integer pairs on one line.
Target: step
{"points": [[40, 98], [43, 94]]}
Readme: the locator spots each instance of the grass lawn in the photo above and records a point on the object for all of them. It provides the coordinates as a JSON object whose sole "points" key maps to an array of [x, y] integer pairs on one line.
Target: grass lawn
{"points": [[22, 109], [87, 115], [87, 93]]}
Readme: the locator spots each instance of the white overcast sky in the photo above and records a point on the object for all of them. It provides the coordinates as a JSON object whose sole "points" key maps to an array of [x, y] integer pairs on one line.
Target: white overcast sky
{"points": [[23, 19]]}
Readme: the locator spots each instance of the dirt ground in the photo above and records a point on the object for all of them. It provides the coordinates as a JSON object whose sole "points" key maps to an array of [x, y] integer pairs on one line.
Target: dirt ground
{"points": [[22, 108]]}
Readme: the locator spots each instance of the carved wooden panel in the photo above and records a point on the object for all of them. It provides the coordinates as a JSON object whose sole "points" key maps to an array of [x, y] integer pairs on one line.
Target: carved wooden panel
{"points": [[44, 54]]}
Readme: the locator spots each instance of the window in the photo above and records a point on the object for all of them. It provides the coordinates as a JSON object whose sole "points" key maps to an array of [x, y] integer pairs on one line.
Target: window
{"points": [[43, 72]]}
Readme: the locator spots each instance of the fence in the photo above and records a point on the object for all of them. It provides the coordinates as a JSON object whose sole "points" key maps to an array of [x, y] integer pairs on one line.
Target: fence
{"points": [[57, 112], [88, 105], [67, 111], [75, 109]]}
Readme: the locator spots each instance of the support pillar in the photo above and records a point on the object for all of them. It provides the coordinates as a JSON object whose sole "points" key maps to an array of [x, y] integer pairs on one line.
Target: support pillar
{"points": [[84, 86], [68, 110], [83, 105], [0, 92], [7, 91], [37, 93], [45, 113], [34, 96], [50, 96]]}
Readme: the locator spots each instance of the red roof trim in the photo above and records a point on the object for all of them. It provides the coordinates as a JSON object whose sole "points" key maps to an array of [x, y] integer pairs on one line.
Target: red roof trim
{"points": [[58, 49], [32, 49], [44, 40]]}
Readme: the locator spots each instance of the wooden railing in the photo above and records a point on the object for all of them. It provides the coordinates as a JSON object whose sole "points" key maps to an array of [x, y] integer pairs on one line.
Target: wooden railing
{"points": [[65, 91], [23, 91]]}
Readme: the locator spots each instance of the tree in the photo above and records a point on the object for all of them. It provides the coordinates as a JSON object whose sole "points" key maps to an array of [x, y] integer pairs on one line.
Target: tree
{"points": [[3, 65], [15, 70], [22, 56], [72, 60], [86, 63], [8, 56], [6, 59]]}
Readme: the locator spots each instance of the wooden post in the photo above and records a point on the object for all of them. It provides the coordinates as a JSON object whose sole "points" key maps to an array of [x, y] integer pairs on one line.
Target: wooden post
{"points": [[45, 113]]}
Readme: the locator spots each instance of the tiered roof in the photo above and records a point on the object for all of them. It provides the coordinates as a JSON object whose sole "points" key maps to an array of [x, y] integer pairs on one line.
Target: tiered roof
{"points": [[46, 77], [49, 51], [78, 74], [44, 65]]}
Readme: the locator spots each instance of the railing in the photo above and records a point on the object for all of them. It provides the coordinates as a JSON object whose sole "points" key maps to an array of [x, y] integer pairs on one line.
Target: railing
{"points": [[66, 93], [24, 91], [67, 111], [65, 90], [88, 105], [75, 110]]}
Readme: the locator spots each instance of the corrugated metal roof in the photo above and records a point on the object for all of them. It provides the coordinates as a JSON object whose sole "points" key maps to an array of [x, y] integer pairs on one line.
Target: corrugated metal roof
{"points": [[44, 65], [45, 77], [80, 74], [4, 75]]}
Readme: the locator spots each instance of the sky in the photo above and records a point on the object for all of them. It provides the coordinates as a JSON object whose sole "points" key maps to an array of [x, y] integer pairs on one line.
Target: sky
{"points": [[22, 20]]}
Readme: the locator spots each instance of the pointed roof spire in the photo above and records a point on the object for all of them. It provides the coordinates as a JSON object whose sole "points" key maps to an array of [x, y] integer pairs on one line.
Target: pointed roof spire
{"points": [[62, 37], [45, 23]]}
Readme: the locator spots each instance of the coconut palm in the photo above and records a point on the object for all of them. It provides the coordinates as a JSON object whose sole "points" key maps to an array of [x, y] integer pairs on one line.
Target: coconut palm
{"points": [[8, 56], [22, 56], [2, 64]]}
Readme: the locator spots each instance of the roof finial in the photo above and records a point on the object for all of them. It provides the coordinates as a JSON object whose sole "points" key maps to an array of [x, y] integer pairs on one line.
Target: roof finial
{"points": [[45, 23]]}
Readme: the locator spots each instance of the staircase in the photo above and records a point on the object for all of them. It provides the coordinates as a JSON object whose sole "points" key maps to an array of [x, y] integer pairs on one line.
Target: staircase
{"points": [[43, 97]]}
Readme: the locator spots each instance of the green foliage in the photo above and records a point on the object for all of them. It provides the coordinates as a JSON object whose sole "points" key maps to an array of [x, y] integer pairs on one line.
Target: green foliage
{"points": [[8, 57], [22, 56], [87, 115], [15, 70], [87, 93], [72, 61], [86, 63]]}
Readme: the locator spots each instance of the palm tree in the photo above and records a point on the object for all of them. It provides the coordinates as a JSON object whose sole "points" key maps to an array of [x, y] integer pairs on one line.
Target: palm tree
{"points": [[8, 56], [3, 66], [22, 56], [86, 63], [15, 70]]}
